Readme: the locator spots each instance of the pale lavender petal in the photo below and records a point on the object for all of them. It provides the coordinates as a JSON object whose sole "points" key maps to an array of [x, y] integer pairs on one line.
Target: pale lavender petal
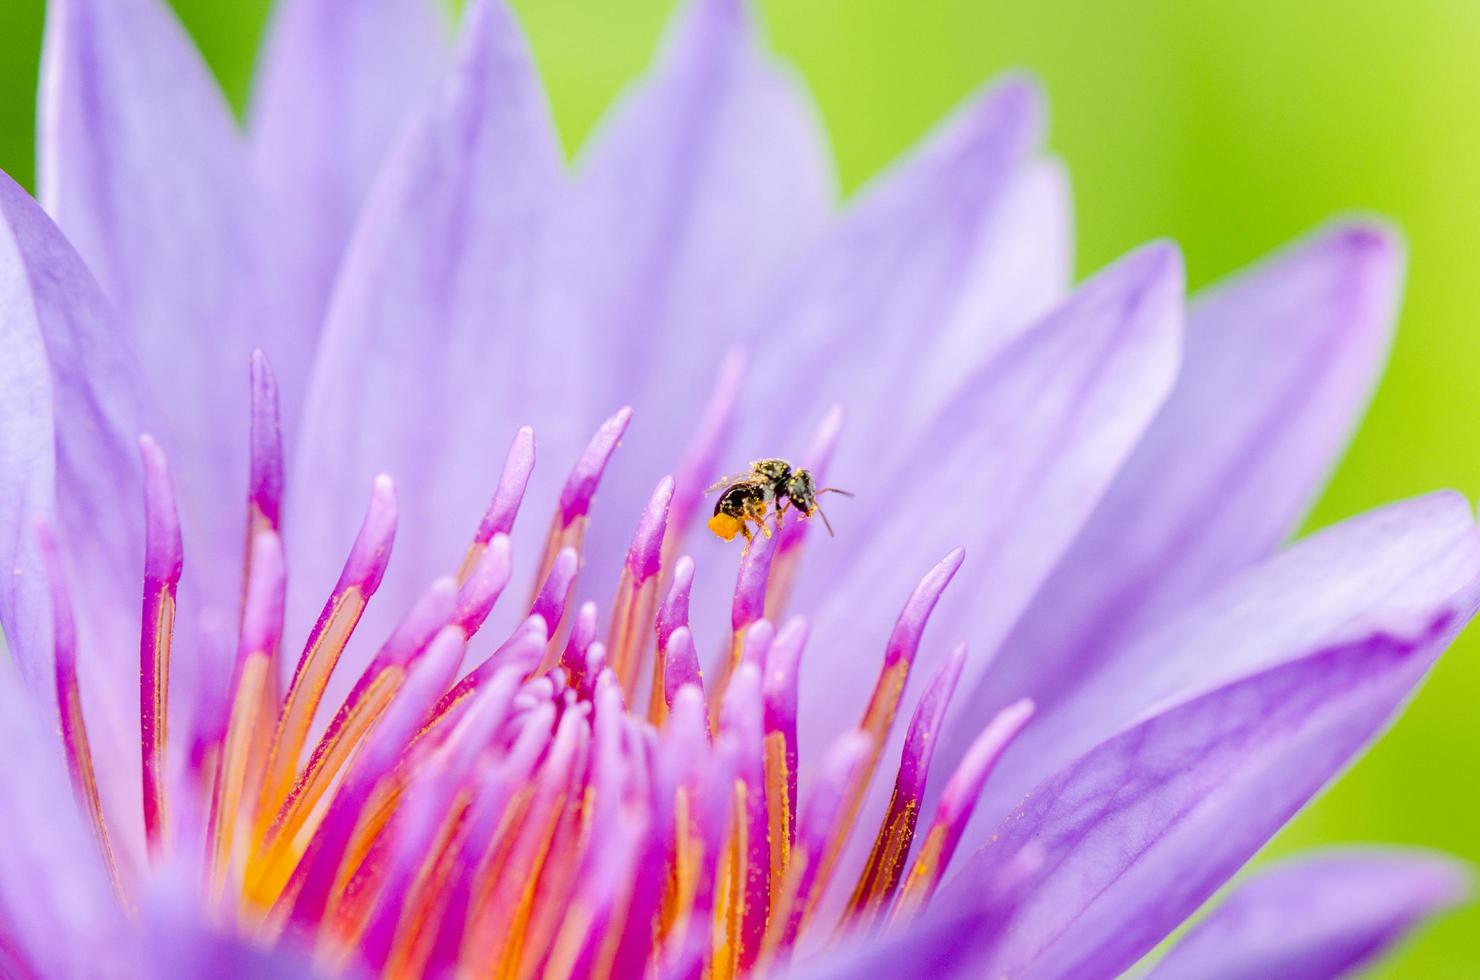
{"points": [[1316, 916], [708, 179], [1141, 830], [337, 83], [421, 368], [182, 941], [1010, 467], [71, 407], [58, 913], [947, 940], [1387, 569], [177, 239], [1021, 268], [1278, 364], [698, 189], [954, 247]]}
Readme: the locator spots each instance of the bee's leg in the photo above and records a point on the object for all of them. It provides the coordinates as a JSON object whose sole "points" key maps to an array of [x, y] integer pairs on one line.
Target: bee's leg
{"points": [[761, 523], [780, 510]]}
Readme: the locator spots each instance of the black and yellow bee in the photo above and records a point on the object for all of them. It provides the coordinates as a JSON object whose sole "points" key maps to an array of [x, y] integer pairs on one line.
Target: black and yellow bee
{"points": [[749, 498]]}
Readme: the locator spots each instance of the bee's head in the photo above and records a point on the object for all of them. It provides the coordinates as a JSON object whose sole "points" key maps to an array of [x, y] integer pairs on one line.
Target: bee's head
{"points": [[802, 490]]}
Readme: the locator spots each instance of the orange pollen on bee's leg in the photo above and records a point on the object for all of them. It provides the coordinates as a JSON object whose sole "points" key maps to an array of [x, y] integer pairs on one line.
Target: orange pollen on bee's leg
{"points": [[724, 526]]}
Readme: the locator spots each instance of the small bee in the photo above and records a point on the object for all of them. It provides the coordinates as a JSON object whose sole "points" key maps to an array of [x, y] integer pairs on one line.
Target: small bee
{"points": [[747, 498]]}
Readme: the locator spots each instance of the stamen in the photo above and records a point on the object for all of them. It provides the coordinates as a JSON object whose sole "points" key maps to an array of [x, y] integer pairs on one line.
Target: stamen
{"points": [[549, 604], [747, 606], [505, 885], [69, 705], [878, 718], [265, 493], [745, 900], [481, 589], [595, 666], [164, 559], [674, 610], [885, 867], [438, 797], [806, 876], [701, 782], [307, 893], [957, 803], [272, 863], [359, 580], [244, 750], [701, 461], [682, 669], [264, 497], [583, 927], [673, 613], [496, 807], [794, 533], [583, 947], [779, 692], [521, 652], [573, 660], [507, 496], [569, 525], [757, 644], [690, 948], [632, 607]]}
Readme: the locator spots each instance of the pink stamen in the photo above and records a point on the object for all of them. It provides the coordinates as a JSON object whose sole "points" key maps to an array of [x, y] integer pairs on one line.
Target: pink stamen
{"points": [[957, 803], [701, 461], [749, 858], [569, 524], [507, 496], [314, 878], [633, 605], [164, 559], [672, 614], [682, 667], [358, 582], [886, 863], [265, 495], [479, 592], [779, 693], [248, 732], [807, 874]]}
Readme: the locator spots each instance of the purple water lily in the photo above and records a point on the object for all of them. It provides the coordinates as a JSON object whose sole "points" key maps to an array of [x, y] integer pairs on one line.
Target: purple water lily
{"points": [[255, 723]]}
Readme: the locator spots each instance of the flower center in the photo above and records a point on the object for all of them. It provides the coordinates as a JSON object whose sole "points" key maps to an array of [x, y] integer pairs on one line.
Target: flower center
{"points": [[571, 804]]}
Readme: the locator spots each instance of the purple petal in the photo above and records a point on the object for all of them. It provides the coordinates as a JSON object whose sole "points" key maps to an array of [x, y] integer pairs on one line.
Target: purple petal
{"points": [[1317, 916], [1388, 569], [71, 407], [338, 82], [1278, 364], [1142, 829], [1010, 467], [142, 167], [421, 363]]}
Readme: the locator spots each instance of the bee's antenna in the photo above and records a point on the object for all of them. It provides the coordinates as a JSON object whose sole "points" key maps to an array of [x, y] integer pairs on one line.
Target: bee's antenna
{"points": [[825, 522], [846, 493]]}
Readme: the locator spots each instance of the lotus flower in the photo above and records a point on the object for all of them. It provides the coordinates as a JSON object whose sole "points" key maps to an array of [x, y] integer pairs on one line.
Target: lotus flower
{"points": [[255, 724]]}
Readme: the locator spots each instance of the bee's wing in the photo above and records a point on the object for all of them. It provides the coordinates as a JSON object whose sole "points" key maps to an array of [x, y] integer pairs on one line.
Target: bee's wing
{"points": [[727, 481]]}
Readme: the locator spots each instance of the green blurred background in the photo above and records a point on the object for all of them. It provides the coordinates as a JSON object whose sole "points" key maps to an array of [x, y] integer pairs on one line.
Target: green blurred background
{"points": [[1230, 127]]}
